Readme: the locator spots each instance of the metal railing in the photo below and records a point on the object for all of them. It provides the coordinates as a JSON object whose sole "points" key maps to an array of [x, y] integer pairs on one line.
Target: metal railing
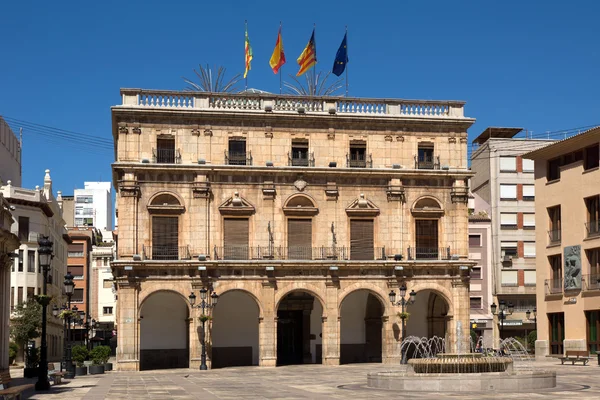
{"points": [[238, 158], [166, 156], [554, 286], [592, 228], [592, 282], [301, 160], [427, 162], [359, 161], [297, 253], [166, 252], [554, 236], [429, 253]]}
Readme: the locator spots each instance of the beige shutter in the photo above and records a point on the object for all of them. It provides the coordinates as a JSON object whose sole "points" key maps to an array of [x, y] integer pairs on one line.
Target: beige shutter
{"points": [[235, 238], [300, 239], [165, 238], [361, 239]]}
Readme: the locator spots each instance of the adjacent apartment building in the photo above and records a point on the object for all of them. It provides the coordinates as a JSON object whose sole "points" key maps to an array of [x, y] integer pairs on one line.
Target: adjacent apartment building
{"points": [[93, 206], [10, 155], [505, 180], [37, 212], [567, 181], [301, 214]]}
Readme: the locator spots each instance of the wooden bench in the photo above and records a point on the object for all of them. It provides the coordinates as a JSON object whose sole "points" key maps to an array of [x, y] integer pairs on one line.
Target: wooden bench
{"points": [[54, 375], [7, 392], [576, 356]]}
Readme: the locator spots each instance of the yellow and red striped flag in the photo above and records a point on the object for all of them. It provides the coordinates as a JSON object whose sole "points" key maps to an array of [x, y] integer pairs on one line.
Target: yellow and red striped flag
{"points": [[308, 58], [278, 57], [248, 51]]}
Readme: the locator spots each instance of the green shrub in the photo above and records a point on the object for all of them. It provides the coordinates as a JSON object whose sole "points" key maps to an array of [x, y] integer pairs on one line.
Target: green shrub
{"points": [[531, 338], [13, 349], [100, 355], [80, 354]]}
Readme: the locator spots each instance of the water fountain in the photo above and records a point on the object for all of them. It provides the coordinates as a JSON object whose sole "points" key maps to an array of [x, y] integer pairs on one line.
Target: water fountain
{"points": [[430, 365]]}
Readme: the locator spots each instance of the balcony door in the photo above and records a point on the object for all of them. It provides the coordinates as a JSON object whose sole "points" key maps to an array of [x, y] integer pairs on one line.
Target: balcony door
{"points": [[426, 235], [235, 238], [299, 239], [361, 239], [165, 238], [165, 150], [557, 332]]}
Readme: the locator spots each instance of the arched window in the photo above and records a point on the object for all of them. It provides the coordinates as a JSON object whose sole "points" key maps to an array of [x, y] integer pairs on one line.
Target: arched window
{"points": [[427, 211], [300, 209]]}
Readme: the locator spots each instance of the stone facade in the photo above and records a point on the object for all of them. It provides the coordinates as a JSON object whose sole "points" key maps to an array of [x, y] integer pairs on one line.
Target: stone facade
{"points": [[236, 175]]}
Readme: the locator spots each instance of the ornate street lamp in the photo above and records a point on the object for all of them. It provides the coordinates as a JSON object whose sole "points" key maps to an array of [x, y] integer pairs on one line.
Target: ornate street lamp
{"points": [[45, 257], [204, 305], [528, 315], [403, 303], [69, 289], [505, 310]]}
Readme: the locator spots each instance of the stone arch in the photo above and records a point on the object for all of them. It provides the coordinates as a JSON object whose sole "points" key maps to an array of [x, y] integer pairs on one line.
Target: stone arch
{"points": [[377, 291], [437, 289], [427, 202], [300, 199], [301, 287], [165, 193], [147, 292], [221, 289]]}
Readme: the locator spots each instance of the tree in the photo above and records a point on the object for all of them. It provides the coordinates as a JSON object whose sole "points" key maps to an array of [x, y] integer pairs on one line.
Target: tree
{"points": [[26, 323], [212, 83]]}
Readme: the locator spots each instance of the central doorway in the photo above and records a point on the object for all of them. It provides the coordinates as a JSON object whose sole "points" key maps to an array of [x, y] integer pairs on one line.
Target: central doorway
{"points": [[299, 329]]}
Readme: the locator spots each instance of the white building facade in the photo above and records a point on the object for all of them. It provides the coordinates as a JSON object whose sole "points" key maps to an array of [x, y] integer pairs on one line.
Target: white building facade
{"points": [[93, 206]]}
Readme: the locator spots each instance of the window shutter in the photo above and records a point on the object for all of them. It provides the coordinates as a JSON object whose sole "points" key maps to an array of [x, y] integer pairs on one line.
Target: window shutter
{"points": [[508, 163], [508, 191], [510, 278], [165, 238], [529, 277], [528, 219], [529, 249], [361, 239], [528, 191], [75, 270], [508, 219], [527, 165], [235, 238], [76, 248], [300, 239]]}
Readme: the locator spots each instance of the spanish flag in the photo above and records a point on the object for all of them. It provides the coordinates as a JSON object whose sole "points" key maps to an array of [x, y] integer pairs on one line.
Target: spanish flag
{"points": [[248, 51], [308, 58], [278, 57]]}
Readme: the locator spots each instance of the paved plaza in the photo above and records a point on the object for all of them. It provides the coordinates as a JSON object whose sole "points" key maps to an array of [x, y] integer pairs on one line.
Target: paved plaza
{"points": [[293, 382]]}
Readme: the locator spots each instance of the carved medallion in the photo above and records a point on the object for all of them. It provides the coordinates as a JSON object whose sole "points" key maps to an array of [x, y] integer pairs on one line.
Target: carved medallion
{"points": [[300, 184]]}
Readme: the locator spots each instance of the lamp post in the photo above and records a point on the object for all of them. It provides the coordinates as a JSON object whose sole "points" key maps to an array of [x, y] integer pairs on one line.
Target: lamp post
{"points": [[403, 303], [69, 288], [528, 314], [505, 310], [45, 255], [204, 305]]}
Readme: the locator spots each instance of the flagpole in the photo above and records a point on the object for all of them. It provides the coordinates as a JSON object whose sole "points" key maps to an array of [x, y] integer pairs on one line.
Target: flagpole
{"points": [[280, 38], [315, 67], [347, 59], [245, 55]]}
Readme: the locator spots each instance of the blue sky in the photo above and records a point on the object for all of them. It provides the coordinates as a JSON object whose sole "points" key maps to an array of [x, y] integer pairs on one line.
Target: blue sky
{"points": [[531, 64]]}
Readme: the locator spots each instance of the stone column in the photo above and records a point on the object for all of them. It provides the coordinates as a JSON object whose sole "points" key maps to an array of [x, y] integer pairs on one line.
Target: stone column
{"points": [[460, 327], [194, 329], [267, 329], [128, 332], [331, 327], [391, 340]]}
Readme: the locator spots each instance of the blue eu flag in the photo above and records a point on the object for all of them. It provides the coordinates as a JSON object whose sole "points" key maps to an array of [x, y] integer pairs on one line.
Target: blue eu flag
{"points": [[341, 58]]}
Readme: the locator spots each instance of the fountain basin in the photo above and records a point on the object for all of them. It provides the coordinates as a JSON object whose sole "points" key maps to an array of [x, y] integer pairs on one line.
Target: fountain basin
{"points": [[523, 381], [459, 364]]}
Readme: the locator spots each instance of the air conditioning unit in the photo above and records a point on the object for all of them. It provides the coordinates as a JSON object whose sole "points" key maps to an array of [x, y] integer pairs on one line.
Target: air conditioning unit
{"points": [[508, 259]]}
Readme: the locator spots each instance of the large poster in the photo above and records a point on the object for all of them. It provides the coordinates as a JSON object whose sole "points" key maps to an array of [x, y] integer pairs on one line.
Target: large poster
{"points": [[573, 268]]}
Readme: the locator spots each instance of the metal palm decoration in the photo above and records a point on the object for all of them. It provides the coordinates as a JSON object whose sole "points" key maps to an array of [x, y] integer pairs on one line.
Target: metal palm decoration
{"points": [[212, 83], [316, 85]]}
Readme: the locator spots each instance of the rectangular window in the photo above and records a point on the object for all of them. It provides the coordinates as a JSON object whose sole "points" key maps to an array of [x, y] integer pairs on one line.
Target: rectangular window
{"points": [[529, 277], [12, 298], [107, 310], [76, 271], [299, 153], [508, 220], [357, 157], [299, 239], [554, 224], [528, 165], [20, 295], [476, 273], [84, 199], [557, 332], [553, 171], [30, 292], [24, 229], [107, 284], [77, 295], [31, 261], [475, 303], [592, 157], [165, 150], [529, 249], [361, 239], [508, 164], [474, 240], [165, 238], [593, 256], [529, 192], [528, 221], [556, 272], [235, 238], [237, 152], [592, 205], [593, 330], [510, 278], [75, 250], [508, 249], [508, 192], [21, 255]]}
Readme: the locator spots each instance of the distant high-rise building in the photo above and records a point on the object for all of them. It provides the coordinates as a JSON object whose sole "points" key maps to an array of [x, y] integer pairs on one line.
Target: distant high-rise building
{"points": [[93, 205], [10, 155]]}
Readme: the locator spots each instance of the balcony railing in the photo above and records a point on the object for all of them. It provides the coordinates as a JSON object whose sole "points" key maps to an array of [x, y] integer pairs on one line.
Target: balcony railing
{"points": [[295, 253], [166, 252], [592, 228], [238, 158], [554, 236], [427, 162], [359, 161], [554, 286], [592, 282], [301, 160], [166, 156], [429, 253]]}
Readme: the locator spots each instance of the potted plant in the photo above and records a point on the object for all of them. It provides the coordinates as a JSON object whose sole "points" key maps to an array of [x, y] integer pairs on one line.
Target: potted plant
{"points": [[79, 355], [403, 315], [105, 353], [99, 358]]}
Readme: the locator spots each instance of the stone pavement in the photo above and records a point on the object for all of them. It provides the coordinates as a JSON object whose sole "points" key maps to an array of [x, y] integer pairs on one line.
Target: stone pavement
{"points": [[293, 382]]}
